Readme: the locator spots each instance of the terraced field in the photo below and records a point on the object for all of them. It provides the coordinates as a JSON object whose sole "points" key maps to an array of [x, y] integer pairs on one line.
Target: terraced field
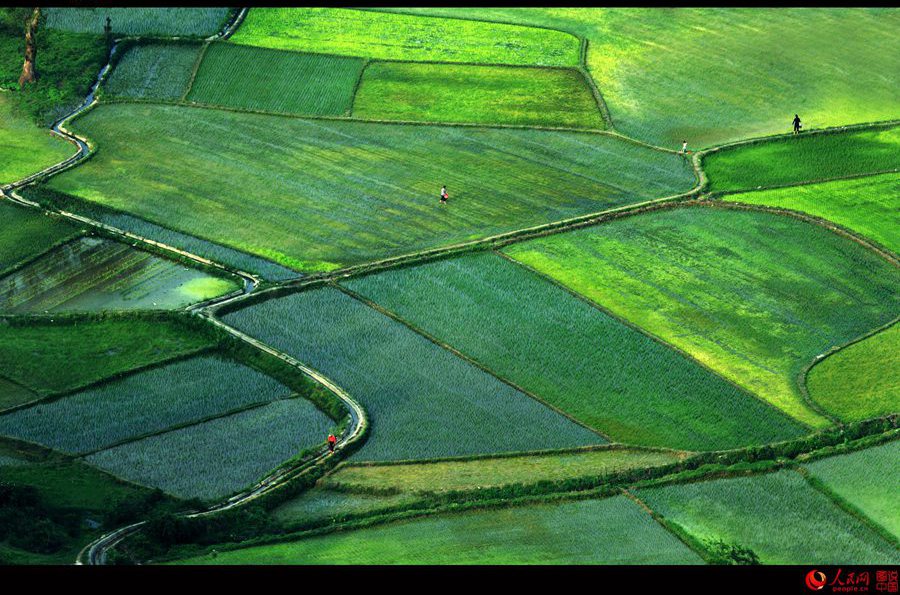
{"points": [[139, 21], [613, 531], [320, 504], [26, 149], [424, 402], [867, 206], [398, 37], [92, 274], [771, 514], [153, 71], [605, 374], [331, 194], [27, 234], [754, 296], [476, 94]]}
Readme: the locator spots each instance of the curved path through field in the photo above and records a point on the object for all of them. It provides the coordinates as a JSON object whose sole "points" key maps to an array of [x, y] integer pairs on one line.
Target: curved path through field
{"points": [[95, 552]]}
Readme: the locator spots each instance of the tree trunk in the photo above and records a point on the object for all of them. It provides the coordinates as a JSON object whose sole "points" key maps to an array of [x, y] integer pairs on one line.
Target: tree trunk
{"points": [[29, 73]]}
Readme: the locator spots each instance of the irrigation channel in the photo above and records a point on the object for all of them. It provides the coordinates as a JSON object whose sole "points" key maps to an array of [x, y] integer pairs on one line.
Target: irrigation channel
{"points": [[95, 553]]}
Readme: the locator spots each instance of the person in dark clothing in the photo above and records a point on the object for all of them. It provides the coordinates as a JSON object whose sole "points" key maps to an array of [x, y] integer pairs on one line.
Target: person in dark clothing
{"points": [[331, 442], [796, 124]]}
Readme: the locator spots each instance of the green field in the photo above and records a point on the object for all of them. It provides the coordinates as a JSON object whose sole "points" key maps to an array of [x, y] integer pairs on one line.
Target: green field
{"points": [[318, 504], [93, 274], [423, 401], [26, 149], [860, 381], [577, 358], [329, 194], [12, 394], [476, 94], [867, 479], [709, 75], [754, 296], [38, 354], [153, 71], [263, 79], [799, 159], [612, 531], [399, 37], [138, 21], [493, 472], [143, 403], [213, 459], [27, 233], [779, 516], [867, 205]]}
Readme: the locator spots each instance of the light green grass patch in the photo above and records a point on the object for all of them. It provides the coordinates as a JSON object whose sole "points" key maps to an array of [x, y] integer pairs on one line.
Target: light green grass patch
{"points": [[26, 149], [860, 381], [442, 476], [868, 206], [867, 479], [803, 158], [583, 361], [613, 531], [316, 195], [263, 79], [779, 516], [400, 37], [162, 22], [476, 94], [318, 504], [755, 296], [153, 71], [27, 233]]}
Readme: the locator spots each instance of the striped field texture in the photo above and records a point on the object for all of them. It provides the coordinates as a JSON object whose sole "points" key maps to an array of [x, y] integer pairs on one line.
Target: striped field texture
{"points": [[153, 71], [162, 22]]}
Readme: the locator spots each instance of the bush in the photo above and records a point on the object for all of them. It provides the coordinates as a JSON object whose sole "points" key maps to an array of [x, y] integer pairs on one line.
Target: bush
{"points": [[730, 554]]}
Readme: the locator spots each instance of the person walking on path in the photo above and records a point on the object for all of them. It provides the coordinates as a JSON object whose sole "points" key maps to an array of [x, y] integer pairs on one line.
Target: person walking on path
{"points": [[797, 124], [684, 147], [444, 195], [331, 442]]}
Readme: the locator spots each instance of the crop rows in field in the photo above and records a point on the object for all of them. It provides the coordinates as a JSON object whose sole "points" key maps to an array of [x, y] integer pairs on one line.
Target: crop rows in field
{"points": [[867, 479], [867, 205], [493, 472], [797, 159], [142, 403], [91, 274], [423, 401], [153, 71], [27, 233], [25, 149], [39, 354], [771, 514], [317, 195], [255, 78], [583, 361], [215, 458], [754, 296], [476, 94], [399, 37], [162, 22], [319, 503], [611, 531]]}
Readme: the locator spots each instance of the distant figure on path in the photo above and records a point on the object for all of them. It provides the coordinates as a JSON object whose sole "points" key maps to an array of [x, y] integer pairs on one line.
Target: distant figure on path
{"points": [[796, 124], [444, 195], [684, 147], [331, 442]]}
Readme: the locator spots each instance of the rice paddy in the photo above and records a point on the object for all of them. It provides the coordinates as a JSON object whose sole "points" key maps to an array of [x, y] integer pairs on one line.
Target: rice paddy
{"points": [[26, 234], [153, 71], [25, 148], [139, 21]]}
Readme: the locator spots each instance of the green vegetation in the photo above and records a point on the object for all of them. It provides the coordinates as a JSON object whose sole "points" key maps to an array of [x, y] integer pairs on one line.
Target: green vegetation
{"points": [[867, 479], [139, 21], [867, 206], [329, 194], [754, 296], [399, 37], [423, 401], [12, 394], [860, 381], [774, 515], [579, 359], [142, 403], [493, 472], [612, 531], [27, 233], [25, 149], [476, 94], [215, 458], [318, 504], [255, 78], [798, 159], [92, 274], [38, 353], [153, 71], [709, 75]]}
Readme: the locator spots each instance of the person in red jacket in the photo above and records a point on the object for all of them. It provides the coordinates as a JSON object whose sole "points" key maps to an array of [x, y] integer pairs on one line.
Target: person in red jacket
{"points": [[331, 442], [444, 195]]}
